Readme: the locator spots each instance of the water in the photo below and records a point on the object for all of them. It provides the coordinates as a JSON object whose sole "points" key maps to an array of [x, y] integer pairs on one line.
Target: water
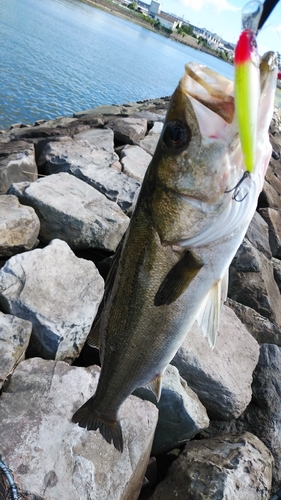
{"points": [[62, 56]]}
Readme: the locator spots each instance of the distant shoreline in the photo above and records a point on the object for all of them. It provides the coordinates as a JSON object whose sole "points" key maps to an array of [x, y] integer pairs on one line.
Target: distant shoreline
{"points": [[116, 9]]}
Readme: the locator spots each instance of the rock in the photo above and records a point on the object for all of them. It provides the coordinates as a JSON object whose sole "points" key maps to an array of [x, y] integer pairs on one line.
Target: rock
{"points": [[258, 233], [263, 415], [220, 377], [181, 415], [31, 133], [14, 338], [247, 258], [17, 163], [272, 176], [152, 116], [277, 272], [92, 166], [225, 468], [149, 143], [58, 293], [60, 122], [135, 162], [19, 227], [117, 166], [263, 330], [128, 130], [73, 211], [99, 110], [98, 137], [269, 197], [273, 219], [52, 458], [252, 283], [157, 128]]}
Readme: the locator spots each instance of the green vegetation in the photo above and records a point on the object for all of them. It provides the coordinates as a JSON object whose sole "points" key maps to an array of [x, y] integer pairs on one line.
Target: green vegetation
{"points": [[202, 41], [223, 55], [186, 30], [133, 6]]}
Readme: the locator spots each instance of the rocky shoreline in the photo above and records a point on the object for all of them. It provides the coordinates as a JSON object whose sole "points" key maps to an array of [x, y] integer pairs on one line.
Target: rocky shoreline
{"points": [[67, 190]]}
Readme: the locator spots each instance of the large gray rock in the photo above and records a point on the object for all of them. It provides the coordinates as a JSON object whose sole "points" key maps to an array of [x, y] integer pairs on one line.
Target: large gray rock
{"points": [[91, 165], [263, 415], [220, 377], [17, 164], [105, 110], [269, 197], [263, 330], [54, 459], [128, 130], [101, 138], [19, 226], [58, 293], [73, 211], [252, 283], [271, 177], [181, 415], [149, 143], [225, 468], [273, 218], [14, 338], [277, 272], [258, 235], [135, 162]]}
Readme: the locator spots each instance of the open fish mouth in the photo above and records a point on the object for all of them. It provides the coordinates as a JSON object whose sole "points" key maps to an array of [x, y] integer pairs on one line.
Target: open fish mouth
{"points": [[211, 89]]}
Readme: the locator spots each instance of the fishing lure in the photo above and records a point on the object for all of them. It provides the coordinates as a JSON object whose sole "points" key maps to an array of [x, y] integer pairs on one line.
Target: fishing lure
{"points": [[247, 82]]}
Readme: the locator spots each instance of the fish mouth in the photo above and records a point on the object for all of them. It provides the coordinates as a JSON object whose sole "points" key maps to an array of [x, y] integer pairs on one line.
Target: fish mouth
{"points": [[209, 88]]}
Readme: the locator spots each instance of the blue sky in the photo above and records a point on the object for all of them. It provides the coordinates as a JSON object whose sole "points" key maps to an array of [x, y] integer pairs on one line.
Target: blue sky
{"points": [[224, 18]]}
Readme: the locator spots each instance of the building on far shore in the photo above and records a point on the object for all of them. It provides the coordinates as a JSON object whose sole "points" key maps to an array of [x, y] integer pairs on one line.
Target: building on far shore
{"points": [[169, 22], [154, 8]]}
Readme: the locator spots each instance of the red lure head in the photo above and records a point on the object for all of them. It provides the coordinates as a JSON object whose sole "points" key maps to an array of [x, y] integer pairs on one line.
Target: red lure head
{"points": [[245, 47]]}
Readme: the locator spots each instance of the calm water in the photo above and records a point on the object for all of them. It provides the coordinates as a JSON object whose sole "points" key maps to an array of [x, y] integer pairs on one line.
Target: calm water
{"points": [[62, 56]]}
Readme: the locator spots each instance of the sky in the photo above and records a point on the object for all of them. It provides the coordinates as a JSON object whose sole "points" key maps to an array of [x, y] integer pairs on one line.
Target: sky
{"points": [[223, 17]]}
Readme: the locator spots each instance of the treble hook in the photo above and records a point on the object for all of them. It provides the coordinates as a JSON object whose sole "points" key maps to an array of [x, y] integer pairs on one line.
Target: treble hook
{"points": [[236, 188]]}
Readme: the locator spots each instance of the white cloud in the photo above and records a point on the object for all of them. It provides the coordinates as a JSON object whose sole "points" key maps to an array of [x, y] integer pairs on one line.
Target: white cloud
{"points": [[219, 5]]}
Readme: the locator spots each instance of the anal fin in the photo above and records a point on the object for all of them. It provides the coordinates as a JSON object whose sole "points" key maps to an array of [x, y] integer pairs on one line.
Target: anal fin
{"points": [[209, 315], [178, 279], [93, 339], [155, 386]]}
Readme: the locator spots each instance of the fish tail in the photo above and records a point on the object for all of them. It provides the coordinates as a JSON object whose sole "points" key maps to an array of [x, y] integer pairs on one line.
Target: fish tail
{"points": [[89, 417]]}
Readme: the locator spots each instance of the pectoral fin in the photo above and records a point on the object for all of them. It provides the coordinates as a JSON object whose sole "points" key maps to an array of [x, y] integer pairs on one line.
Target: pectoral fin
{"points": [[178, 279]]}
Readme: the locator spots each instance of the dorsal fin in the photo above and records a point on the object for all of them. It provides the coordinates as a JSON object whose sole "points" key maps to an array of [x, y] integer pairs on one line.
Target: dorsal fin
{"points": [[178, 279]]}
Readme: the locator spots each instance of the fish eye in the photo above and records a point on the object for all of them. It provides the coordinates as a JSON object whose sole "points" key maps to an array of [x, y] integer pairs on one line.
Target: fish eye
{"points": [[176, 135]]}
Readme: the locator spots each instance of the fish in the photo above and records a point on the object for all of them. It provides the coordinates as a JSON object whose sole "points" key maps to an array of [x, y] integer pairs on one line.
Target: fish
{"points": [[171, 267], [247, 94]]}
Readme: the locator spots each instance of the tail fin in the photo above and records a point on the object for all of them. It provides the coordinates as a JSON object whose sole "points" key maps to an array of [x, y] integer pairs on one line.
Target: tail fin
{"points": [[92, 420]]}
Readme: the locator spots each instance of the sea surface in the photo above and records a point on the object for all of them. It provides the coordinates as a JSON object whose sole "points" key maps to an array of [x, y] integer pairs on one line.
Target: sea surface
{"points": [[62, 56]]}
